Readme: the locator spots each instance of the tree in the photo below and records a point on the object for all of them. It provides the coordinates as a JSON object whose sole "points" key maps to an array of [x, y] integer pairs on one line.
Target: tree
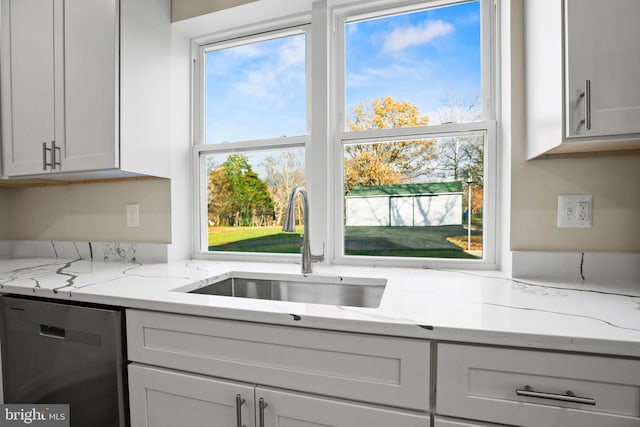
{"points": [[386, 113], [283, 174], [388, 162], [460, 157], [237, 196]]}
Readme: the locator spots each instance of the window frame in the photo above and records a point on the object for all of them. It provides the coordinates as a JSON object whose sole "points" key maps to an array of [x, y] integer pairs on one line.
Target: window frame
{"points": [[487, 125], [326, 132], [200, 149]]}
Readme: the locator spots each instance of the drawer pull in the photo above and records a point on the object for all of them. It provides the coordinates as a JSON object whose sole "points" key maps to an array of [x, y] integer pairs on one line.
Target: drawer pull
{"points": [[567, 397], [239, 402], [262, 404], [587, 105], [44, 156]]}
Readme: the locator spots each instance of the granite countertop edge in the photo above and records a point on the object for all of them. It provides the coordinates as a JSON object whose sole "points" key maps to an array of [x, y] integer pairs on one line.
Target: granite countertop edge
{"points": [[454, 306]]}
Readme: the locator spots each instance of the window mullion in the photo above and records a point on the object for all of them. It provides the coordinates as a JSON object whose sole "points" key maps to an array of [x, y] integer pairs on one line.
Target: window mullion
{"points": [[434, 131], [317, 153], [260, 144]]}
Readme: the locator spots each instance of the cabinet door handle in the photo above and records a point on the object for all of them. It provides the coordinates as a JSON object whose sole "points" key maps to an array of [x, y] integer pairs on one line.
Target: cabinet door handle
{"points": [[261, 405], [54, 158], [44, 156], [239, 402], [567, 397], [587, 105]]}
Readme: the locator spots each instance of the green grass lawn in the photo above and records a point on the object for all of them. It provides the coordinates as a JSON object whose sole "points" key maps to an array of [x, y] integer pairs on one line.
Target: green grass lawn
{"points": [[255, 239], [420, 242]]}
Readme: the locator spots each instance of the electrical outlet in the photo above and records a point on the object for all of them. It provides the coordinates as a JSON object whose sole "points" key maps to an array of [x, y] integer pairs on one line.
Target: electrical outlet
{"points": [[133, 215], [575, 211]]}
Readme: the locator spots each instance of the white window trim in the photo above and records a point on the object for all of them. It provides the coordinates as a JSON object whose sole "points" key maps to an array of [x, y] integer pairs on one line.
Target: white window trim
{"points": [[488, 261], [344, 14], [252, 34], [324, 142]]}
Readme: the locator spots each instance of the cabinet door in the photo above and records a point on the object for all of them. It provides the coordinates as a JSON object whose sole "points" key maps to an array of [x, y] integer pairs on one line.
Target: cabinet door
{"points": [[285, 409], [29, 67], [162, 398], [445, 422], [91, 67], [602, 48]]}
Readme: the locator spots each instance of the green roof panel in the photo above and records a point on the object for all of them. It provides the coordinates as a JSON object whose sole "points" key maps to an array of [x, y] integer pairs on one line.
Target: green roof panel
{"points": [[418, 189]]}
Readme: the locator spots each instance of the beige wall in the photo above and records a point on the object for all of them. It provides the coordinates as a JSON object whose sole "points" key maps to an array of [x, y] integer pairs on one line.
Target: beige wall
{"points": [[90, 212], [613, 180], [4, 213], [97, 211], [182, 9]]}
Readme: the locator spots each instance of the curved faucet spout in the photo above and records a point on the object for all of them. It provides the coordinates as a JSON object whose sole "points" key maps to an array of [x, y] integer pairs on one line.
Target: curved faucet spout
{"points": [[289, 226]]}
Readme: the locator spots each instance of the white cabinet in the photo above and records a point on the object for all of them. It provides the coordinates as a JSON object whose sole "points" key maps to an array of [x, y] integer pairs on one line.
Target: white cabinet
{"points": [[85, 87], [90, 85], [288, 409], [447, 422], [379, 369], [537, 388], [165, 398], [300, 377], [582, 59], [30, 82], [602, 44]]}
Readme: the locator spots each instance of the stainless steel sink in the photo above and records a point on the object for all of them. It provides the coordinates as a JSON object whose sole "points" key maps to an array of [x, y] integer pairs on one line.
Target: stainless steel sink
{"points": [[316, 289]]}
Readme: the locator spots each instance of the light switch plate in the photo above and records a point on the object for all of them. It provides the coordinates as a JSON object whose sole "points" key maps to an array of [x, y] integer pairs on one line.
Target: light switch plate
{"points": [[133, 215], [575, 211]]}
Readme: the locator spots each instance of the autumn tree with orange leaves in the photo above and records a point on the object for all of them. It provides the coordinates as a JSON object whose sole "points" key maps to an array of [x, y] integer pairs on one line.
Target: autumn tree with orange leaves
{"points": [[386, 163]]}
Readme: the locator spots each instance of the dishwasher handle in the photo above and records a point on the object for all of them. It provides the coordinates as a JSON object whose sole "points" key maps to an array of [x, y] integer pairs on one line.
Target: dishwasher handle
{"points": [[52, 332]]}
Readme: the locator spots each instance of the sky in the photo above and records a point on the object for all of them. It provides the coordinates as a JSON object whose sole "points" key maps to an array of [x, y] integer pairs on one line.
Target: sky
{"points": [[258, 91], [417, 57]]}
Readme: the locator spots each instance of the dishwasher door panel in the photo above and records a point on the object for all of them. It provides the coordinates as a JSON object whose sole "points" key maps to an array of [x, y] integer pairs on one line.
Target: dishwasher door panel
{"points": [[61, 353]]}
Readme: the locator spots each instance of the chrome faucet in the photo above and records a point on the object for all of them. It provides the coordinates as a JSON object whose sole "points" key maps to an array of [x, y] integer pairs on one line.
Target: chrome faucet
{"points": [[289, 226]]}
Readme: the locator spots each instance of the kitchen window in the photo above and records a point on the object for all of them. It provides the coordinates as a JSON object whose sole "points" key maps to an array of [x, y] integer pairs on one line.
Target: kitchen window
{"points": [[253, 130], [397, 148], [414, 133]]}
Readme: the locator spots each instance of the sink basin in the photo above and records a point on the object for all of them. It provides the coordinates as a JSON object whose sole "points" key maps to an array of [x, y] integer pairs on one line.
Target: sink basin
{"points": [[330, 290]]}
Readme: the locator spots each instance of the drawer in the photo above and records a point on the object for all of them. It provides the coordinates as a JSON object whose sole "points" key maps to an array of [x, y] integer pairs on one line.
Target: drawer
{"points": [[445, 422], [377, 369], [537, 388]]}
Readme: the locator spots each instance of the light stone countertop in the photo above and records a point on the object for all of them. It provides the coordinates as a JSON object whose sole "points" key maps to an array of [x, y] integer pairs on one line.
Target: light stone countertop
{"points": [[461, 306]]}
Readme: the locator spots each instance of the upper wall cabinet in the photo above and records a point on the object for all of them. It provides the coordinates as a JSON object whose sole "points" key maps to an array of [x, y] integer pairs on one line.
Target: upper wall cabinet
{"points": [[582, 62], [85, 87]]}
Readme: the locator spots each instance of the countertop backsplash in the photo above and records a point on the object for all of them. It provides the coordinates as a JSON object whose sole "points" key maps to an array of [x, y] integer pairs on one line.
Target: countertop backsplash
{"points": [[98, 251]]}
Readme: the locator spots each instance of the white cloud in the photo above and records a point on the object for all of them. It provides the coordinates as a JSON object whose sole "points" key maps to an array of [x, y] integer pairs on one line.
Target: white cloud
{"points": [[270, 77], [403, 37], [292, 53], [244, 51]]}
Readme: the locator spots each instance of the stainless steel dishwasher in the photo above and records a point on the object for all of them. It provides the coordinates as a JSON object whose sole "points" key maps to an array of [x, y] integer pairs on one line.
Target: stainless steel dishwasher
{"points": [[56, 352]]}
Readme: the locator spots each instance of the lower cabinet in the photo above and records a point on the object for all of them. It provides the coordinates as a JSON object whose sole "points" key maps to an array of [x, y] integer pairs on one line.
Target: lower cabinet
{"points": [[162, 398], [446, 422], [195, 371], [533, 388], [165, 398]]}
